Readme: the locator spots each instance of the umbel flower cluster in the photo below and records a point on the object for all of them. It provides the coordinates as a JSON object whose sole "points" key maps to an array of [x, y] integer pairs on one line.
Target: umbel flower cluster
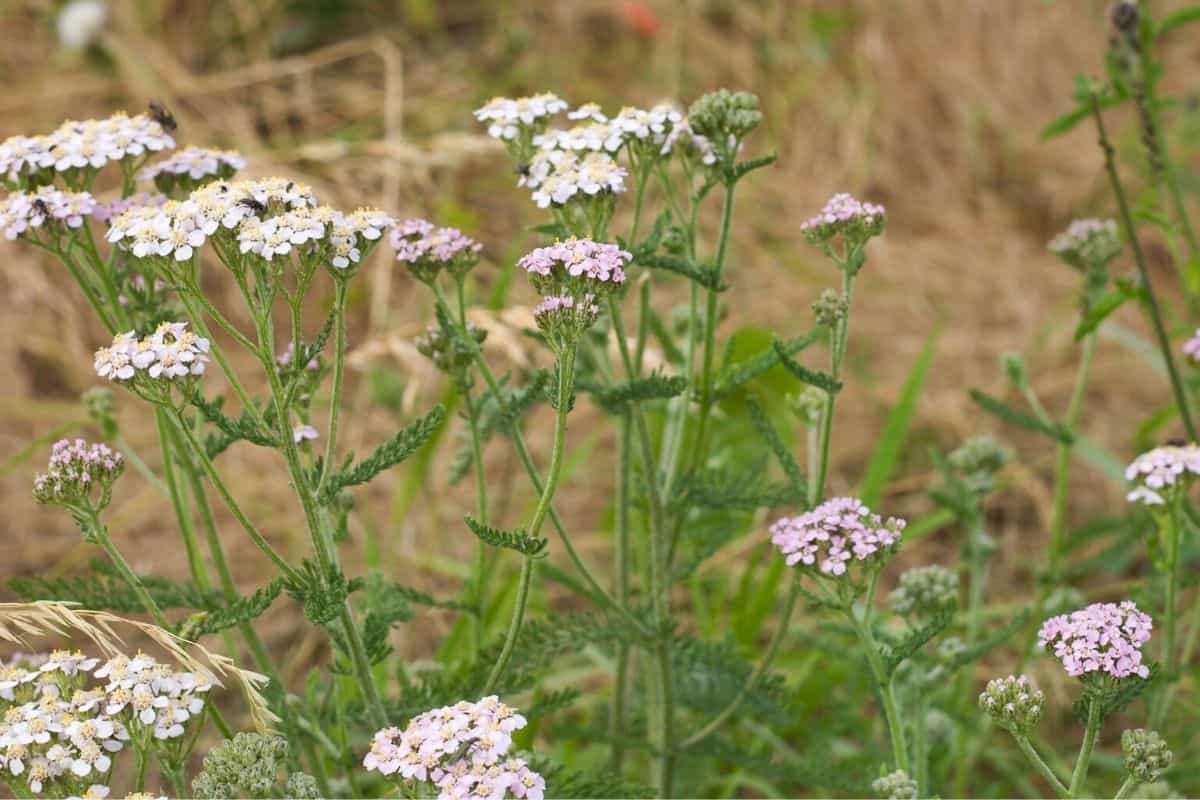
{"points": [[1101, 639], [249, 765], [427, 250], [77, 150], [1160, 474], [170, 353], [47, 207], [843, 216], [460, 749], [191, 167], [572, 274], [835, 535], [79, 474], [1013, 702], [67, 716], [1088, 243]]}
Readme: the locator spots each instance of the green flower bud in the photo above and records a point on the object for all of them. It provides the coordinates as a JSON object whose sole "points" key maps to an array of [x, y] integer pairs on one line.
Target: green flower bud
{"points": [[830, 308], [1146, 754], [978, 461], [1013, 703], [925, 592], [808, 405], [895, 786]]}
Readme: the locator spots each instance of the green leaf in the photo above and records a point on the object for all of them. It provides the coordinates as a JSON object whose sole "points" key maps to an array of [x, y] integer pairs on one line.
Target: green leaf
{"points": [[702, 275], [913, 641], [1020, 418], [655, 386], [1103, 308], [406, 442], [517, 540], [1177, 19], [1069, 120], [886, 454], [745, 371], [746, 167], [787, 462], [243, 609], [821, 380]]}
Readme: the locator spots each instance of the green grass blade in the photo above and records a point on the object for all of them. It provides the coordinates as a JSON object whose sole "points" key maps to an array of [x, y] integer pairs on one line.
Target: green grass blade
{"points": [[895, 429]]}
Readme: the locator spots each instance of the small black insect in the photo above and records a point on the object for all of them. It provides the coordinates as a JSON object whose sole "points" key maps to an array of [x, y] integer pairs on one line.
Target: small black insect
{"points": [[160, 114], [523, 169], [39, 205], [290, 185], [1176, 443], [252, 204]]}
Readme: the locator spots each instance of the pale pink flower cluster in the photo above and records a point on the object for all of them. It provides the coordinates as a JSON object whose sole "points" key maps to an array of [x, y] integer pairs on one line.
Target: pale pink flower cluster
{"points": [[170, 352], [642, 125], [1101, 638], [1191, 348], [196, 163], [1087, 241], [87, 144], [304, 433], [75, 467], [462, 750], [834, 534], [596, 263], [844, 215], [22, 211], [507, 117], [593, 136], [684, 140], [563, 314], [1158, 473], [419, 241]]}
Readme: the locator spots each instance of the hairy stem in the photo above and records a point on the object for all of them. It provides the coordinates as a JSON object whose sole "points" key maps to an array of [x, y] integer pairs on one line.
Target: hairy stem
{"points": [[566, 383], [1084, 760], [887, 693], [1040, 765]]}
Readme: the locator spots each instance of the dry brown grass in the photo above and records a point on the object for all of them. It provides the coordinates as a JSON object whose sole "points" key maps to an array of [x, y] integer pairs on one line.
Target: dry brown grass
{"points": [[931, 107]]}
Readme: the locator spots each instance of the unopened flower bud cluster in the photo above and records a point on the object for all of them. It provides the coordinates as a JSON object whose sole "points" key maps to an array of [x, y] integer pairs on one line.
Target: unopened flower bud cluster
{"points": [[1013, 702], [1088, 243], [896, 785], [925, 592], [1146, 754], [446, 351]]}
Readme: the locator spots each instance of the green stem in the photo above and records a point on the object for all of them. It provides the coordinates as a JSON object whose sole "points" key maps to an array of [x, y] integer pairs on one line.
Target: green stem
{"points": [[1170, 653], [621, 588], [886, 691], [1040, 765], [131, 577], [1160, 332], [1084, 760], [781, 631], [566, 383], [182, 427], [1127, 788], [190, 545], [339, 373], [816, 488]]}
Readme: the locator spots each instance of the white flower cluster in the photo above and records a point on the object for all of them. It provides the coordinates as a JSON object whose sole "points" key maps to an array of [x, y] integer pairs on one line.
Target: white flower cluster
{"points": [[597, 133], [268, 218], [59, 735], [506, 117], [196, 163], [1156, 474], [21, 211], [171, 352], [592, 175], [75, 145], [461, 749]]}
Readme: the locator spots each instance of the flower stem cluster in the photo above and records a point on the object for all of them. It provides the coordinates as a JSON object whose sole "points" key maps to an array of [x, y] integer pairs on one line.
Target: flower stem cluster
{"points": [[573, 274], [448, 351], [725, 119], [1089, 245], [1146, 754], [925, 592], [978, 461], [427, 250], [849, 221], [897, 785], [249, 765]]}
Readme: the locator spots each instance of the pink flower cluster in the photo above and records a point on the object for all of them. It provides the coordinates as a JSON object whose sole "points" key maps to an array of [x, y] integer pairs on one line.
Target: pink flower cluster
{"points": [[1103, 637], [115, 208], [427, 249], [1160, 471], [75, 468], [462, 750], [846, 216], [1191, 348], [597, 264], [834, 533]]}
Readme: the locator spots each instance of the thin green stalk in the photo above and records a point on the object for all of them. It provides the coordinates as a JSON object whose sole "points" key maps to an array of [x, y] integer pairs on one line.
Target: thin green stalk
{"points": [[710, 330], [1084, 760], [1062, 462], [765, 664], [816, 487], [182, 427], [1170, 652], [566, 383], [339, 373], [100, 532], [1127, 788], [921, 743], [1160, 332], [1040, 765], [187, 530], [616, 717], [887, 693]]}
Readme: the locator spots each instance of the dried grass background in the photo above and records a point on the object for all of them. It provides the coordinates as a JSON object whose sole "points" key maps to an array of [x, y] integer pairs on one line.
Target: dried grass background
{"points": [[931, 107]]}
